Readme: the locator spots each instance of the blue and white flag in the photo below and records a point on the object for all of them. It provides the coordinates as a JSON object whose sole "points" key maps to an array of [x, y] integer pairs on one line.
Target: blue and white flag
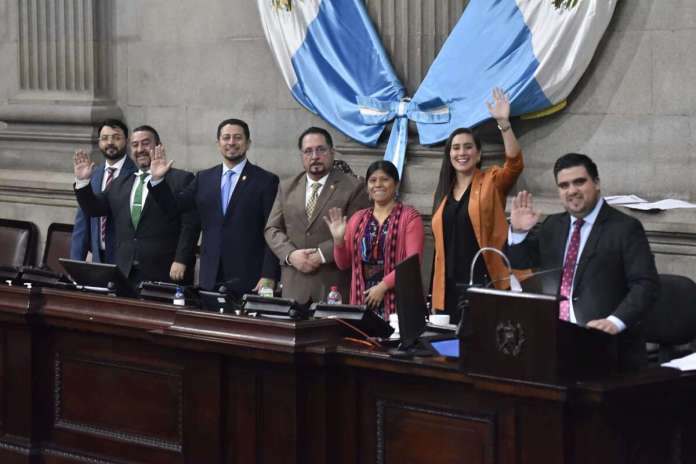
{"points": [[332, 59], [535, 50], [335, 66]]}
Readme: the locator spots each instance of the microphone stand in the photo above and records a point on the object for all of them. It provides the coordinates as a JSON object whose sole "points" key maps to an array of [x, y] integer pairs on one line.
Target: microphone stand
{"points": [[464, 329]]}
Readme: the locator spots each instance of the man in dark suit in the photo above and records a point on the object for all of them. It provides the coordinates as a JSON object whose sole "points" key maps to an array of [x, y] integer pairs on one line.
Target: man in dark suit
{"points": [[609, 276], [296, 231], [96, 234], [151, 245], [233, 201]]}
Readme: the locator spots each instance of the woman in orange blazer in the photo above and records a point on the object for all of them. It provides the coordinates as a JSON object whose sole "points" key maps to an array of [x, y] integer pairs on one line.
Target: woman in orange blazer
{"points": [[469, 210]]}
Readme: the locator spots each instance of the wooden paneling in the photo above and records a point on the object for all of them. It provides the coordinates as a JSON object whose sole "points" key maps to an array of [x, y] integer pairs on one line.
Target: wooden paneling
{"points": [[154, 415], [446, 436], [120, 386]]}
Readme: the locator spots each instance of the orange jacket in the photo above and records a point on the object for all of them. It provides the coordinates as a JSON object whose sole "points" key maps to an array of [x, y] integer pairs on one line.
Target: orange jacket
{"points": [[489, 191]]}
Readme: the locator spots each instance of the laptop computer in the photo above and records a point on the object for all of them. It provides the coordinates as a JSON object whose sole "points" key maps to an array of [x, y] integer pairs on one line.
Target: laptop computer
{"points": [[99, 277]]}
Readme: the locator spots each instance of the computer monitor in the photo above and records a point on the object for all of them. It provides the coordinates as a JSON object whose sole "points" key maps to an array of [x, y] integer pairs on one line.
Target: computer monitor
{"points": [[410, 301], [357, 315], [99, 277]]}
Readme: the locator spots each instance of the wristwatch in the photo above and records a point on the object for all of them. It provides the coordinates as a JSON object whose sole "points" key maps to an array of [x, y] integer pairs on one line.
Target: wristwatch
{"points": [[504, 129]]}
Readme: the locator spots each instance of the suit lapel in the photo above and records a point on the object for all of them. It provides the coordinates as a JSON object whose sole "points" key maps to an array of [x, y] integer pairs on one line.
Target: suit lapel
{"points": [[296, 196], [122, 192], [590, 248], [244, 180], [215, 180], [148, 201], [327, 192], [561, 237]]}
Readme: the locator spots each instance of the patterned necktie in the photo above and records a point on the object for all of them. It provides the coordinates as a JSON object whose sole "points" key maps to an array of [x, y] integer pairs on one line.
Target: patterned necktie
{"points": [[569, 270], [312, 202], [225, 190], [102, 220], [137, 208]]}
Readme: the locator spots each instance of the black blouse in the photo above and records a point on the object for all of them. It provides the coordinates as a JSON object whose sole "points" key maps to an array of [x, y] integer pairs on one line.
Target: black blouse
{"points": [[460, 241]]}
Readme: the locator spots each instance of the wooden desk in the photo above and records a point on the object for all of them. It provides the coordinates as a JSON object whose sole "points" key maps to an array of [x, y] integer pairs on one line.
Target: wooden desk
{"points": [[95, 379]]}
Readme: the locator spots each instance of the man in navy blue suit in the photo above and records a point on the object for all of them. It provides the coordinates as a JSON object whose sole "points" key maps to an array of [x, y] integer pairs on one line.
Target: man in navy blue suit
{"points": [[233, 200], [97, 234]]}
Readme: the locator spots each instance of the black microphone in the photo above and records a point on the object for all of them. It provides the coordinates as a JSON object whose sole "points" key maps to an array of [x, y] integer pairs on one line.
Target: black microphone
{"points": [[546, 282]]}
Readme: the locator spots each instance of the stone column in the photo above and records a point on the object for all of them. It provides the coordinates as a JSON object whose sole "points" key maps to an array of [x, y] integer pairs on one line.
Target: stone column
{"points": [[61, 85]]}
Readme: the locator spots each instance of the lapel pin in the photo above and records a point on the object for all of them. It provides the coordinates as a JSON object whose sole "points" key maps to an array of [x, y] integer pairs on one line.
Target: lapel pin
{"points": [[333, 186], [243, 177]]}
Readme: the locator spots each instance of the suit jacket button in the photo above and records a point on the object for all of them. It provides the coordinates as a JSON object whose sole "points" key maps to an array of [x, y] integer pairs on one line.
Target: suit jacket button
{"points": [[309, 234]]}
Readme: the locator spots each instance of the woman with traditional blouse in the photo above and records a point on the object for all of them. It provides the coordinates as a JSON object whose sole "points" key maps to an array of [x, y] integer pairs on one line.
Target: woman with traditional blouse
{"points": [[469, 210], [374, 240]]}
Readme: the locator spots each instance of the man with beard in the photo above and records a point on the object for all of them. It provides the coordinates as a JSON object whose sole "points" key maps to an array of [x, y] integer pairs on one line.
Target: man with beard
{"points": [[296, 231], [96, 235], [609, 278], [151, 244], [233, 200]]}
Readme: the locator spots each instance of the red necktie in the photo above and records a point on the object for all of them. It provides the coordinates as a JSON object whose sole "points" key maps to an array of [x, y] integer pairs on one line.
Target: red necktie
{"points": [[102, 220], [569, 270]]}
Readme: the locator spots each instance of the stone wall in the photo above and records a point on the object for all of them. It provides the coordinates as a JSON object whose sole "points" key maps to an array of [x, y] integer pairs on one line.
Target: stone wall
{"points": [[184, 66]]}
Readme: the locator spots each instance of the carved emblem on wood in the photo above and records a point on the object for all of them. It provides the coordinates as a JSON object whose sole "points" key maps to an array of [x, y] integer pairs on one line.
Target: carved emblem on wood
{"points": [[510, 338]]}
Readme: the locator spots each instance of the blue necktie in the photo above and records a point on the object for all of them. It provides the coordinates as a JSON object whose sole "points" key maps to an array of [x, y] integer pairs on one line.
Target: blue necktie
{"points": [[226, 187]]}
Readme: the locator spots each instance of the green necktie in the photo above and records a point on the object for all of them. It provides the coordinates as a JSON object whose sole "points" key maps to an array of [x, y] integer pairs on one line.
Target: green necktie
{"points": [[137, 208]]}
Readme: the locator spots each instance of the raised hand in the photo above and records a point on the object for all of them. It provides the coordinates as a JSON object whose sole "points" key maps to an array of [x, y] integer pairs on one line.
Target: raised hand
{"points": [[500, 107], [159, 166], [337, 225], [82, 165], [523, 216]]}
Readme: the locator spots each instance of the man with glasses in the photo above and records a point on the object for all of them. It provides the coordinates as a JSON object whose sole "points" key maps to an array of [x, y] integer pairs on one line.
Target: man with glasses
{"points": [[96, 234], [233, 200], [151, 245], [296, 231]]}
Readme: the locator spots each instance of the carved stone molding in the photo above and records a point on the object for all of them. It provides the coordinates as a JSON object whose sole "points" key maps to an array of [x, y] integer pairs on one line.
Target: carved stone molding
{"points": [[64, 63]]}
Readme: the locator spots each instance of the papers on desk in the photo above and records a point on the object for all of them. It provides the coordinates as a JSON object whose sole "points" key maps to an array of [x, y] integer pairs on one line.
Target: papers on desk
{"points": [[636, 202], [687, 363], [662, 205], [624, 199]]}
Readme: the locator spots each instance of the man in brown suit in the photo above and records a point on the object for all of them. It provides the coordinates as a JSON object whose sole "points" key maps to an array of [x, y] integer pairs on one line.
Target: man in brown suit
{"points": [[295, 230]]}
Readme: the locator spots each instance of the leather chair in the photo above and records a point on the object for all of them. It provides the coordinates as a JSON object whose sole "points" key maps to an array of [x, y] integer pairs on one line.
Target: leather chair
{"points": [[18, 239], [671, 323], [57, 246]]}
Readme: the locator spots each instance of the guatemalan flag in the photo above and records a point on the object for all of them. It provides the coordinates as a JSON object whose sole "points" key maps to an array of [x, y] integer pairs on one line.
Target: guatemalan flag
{"points": [[536, 50], [331, 57], [335, 65]]}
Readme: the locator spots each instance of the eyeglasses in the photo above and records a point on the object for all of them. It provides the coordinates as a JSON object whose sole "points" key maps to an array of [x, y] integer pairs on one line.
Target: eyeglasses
{"points": [[321, 150]]}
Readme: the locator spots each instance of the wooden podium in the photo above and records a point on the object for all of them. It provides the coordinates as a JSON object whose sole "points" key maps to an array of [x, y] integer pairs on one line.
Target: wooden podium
{"points": [[519, 336]]}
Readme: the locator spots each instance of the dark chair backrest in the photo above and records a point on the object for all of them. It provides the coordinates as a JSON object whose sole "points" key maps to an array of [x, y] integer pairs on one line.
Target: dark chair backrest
{"points": [[17, 243], [57, 246], [672, 320]]}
